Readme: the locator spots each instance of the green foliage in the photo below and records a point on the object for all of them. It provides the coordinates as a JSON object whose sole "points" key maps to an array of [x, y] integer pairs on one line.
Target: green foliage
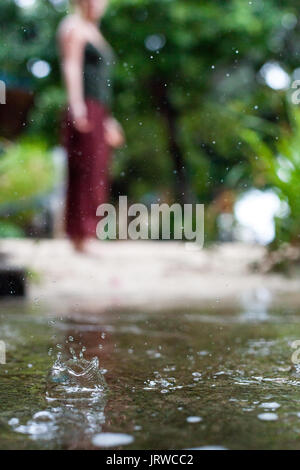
{"points": [[206, 67], [278, 164], [10, 230], [26, 175], [25, 171]]}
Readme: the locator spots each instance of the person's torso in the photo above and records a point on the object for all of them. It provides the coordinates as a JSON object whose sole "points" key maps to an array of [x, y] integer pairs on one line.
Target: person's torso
{"points": [[97, 72]]}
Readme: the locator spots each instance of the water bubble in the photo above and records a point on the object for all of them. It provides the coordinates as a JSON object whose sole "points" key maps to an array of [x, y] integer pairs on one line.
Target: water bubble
{"points": [[43, 416], [270, 405], [202, 353], [13, 422], [268, 416], [109, 439], [194, 419], [73, 353]]}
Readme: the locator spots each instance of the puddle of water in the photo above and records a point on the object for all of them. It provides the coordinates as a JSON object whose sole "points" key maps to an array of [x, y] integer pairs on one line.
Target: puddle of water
{"points": [[206, 380]]}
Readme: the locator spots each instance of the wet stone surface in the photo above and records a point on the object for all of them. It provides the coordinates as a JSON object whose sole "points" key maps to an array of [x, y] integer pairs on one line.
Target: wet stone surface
{"points": [[211, 379]]}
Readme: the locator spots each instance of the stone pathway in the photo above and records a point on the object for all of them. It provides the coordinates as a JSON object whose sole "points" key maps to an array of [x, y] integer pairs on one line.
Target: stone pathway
{"points": [[145, 275]]}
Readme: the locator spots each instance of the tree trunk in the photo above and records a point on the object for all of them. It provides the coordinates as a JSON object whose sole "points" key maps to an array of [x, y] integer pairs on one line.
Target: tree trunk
{"points": [[181, 187]]}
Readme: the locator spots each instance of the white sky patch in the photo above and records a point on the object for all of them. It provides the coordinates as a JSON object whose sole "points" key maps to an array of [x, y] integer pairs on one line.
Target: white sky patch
{"points": [[40, 68], [25, 3], [285, 169], [275, 76], [57, 2], [296, 74], [154, 42], [255, 211], [289, 21], [59, 5]]}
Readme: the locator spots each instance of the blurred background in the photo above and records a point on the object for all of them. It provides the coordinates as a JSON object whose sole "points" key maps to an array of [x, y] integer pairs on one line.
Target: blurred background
{"points": [[203, 90]]}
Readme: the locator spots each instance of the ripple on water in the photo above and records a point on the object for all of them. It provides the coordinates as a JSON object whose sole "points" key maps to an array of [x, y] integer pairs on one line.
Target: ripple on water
{"points": [[54, 424]]}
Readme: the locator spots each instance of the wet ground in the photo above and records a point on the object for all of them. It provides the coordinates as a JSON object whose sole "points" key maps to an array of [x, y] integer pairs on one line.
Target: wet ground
{"points": [[214, 378]]}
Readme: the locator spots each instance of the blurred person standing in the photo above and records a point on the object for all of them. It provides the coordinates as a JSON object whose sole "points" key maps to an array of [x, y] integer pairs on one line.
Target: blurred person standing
{"points": [[90, 132]]}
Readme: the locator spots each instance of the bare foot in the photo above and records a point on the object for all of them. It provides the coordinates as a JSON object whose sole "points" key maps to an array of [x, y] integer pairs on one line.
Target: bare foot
{"points": [[89, 248], [79, 245]]}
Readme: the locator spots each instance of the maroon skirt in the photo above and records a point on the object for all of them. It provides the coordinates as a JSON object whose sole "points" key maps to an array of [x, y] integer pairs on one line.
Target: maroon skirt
{"points": [[88, 172]]}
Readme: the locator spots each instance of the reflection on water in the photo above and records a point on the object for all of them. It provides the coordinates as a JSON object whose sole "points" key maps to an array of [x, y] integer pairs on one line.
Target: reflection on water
{"points": [[76, 393], [256, 304], [66, 425], [212, 379]]}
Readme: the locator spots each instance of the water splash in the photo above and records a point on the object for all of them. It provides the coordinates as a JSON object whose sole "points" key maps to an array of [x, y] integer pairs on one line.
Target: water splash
{"points": [[76, 378], [76, 393]]}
